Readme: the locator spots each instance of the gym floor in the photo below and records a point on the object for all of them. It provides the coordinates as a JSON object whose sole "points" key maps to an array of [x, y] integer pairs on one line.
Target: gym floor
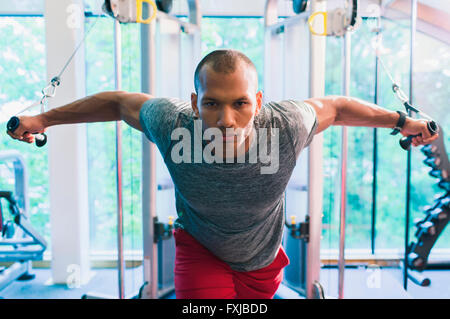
{"points": [[389, 285]]}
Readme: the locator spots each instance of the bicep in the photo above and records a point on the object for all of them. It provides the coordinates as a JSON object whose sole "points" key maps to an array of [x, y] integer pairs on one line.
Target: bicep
{"points": [[326, 111], [130, 107]]}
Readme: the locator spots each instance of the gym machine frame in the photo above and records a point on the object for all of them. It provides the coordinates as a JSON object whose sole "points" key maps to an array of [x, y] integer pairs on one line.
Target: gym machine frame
{"points": [[149, 183], [153, 231], [408, 159], [437, 215], [335, 23], [28, 244], [312, 227]]}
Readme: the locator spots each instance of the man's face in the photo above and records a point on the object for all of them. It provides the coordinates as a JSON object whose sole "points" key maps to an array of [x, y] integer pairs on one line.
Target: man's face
{"points": [[228, 101]]}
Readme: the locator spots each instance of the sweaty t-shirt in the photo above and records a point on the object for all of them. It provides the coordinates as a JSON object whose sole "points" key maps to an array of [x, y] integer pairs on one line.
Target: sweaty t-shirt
{"points": [[235, 210]]}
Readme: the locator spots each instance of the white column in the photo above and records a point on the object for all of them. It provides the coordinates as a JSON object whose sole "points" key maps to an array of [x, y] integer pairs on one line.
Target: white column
{"points": [[67, 152], [315, 177], [149, 152]]}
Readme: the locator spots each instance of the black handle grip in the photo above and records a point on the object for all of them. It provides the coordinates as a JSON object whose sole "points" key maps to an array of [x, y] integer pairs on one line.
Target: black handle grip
{"points": [[13, 124], [405, 142]]}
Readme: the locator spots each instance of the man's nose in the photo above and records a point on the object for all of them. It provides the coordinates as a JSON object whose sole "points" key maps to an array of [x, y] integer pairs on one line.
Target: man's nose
{"points": [[226, 118]]}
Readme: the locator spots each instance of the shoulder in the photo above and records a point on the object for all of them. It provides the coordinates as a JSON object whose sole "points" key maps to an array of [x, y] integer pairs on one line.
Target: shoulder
{"points": [[166, 102], [289, 111], [164, 106]]}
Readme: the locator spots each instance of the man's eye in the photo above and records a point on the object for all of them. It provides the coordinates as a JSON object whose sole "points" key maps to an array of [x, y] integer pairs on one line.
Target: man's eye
{"points": [[209, 103], [241, 103]]}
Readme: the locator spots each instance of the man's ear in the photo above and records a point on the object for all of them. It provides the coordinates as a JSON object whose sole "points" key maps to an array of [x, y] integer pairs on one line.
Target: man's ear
{"points": [[259, 100], [194, 104]]}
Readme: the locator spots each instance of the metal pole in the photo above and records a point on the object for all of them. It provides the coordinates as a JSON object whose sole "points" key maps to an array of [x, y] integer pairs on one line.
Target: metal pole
{"points": [[375, 146], [149, 151], [118, 85], [148, 84], [317, 45], [408, 164], [343, 206]]}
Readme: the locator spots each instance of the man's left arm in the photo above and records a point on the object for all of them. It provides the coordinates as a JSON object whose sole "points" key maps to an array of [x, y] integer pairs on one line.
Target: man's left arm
{"points": [[349, 111]]}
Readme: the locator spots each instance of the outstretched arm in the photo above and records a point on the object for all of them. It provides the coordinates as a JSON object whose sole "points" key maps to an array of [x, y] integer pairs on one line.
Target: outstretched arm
{"points": [[100, 107], [349, 111]]}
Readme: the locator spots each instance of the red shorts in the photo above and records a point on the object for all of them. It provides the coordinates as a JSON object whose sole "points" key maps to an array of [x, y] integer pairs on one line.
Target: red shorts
{"points": [[201, 275]]}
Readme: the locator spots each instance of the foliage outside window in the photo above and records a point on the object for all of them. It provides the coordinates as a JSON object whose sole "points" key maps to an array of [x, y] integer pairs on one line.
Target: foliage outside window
{"points": [[432, 71], [23, 70]]}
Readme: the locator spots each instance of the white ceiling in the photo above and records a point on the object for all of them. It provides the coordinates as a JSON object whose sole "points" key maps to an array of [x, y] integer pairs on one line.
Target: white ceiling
{"points": [[209, 7]]}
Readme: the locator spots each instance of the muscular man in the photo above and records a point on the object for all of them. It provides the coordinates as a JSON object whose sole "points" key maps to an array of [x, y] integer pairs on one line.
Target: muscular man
{"points": [[230, 212]]}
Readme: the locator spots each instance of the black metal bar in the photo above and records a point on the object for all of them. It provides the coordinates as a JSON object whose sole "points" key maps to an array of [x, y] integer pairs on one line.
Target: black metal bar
{"points": [[408, 165], [407, 217], [375, 150], [374, 190]]}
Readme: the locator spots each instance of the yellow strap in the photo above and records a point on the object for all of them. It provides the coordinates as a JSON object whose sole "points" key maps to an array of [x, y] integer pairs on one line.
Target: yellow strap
{"points": [[139, 4], [311, 19]]}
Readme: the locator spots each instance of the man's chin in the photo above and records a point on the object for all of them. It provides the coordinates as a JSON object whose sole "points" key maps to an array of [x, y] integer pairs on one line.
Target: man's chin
{"points": [[231, 142]]}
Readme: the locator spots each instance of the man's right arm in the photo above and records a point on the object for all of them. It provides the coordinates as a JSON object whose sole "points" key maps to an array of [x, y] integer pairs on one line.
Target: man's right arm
{"points": [[130, 105], [100, 107]]}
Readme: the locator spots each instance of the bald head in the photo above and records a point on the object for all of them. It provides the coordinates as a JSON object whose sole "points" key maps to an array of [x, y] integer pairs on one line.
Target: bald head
{"points": [[226, 62]]}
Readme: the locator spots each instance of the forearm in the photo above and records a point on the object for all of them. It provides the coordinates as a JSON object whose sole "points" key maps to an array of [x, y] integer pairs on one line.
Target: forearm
{"points": [[349, 111], [100, 107], [355, 112]]}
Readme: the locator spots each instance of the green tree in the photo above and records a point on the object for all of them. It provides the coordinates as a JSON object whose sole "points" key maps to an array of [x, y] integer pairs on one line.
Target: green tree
{"points": [[22, 65]]}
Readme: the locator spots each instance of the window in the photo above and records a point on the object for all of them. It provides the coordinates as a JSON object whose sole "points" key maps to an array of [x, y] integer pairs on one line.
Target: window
{"points": [[23, 70], [431, 72], [102, 140], [431, 94], [360, 146], [243, 34]]}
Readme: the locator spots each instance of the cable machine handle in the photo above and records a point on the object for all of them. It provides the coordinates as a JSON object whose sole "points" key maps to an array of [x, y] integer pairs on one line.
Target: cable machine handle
{"points": [[13, 124], [405, 142]]}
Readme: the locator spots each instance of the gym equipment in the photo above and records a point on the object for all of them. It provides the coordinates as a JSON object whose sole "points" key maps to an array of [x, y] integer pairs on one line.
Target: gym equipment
{"points": [[433, 128], [437, 215], [300, 230], [129, 11], [343, 198], [159, 50], [47, 92], [13, 124], [336, 22], [157, 44], [19, 242], [410, 111], [299, 6], [118, 87], [164, 5], [405, 142], [293, 64]]}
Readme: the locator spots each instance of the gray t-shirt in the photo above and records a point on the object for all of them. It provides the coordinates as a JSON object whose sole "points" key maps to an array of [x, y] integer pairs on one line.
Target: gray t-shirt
{"points": [[233, 209]]}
